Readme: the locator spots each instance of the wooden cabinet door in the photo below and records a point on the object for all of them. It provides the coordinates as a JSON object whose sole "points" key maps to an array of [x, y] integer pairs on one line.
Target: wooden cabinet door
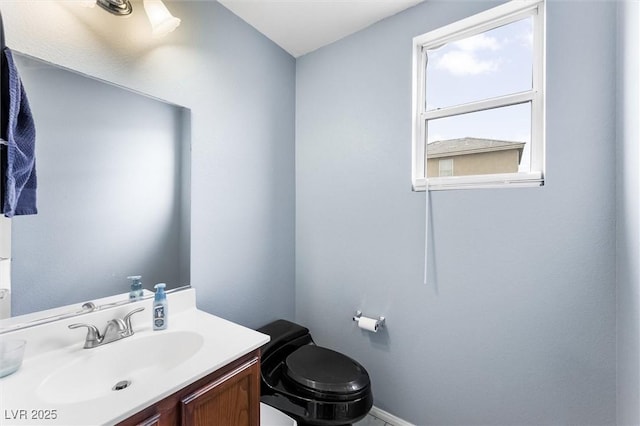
{"points": [[231, 400], [162, 413], [151, 421]]}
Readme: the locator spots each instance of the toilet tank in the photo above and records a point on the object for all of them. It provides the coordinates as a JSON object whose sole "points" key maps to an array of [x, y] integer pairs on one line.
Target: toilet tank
{"points": [[286, 336]]}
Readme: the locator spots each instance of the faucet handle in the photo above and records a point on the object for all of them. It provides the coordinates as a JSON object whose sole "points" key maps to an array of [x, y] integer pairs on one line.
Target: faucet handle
{"points": [[127, 320], [93, 334]]}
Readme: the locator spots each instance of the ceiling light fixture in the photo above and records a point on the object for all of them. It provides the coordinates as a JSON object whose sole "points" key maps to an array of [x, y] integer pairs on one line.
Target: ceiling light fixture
{"points": [[117, 7], [162, 21]]}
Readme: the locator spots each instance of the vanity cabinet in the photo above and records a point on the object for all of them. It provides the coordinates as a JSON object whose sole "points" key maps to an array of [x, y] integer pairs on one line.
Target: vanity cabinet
{"points": [[229, 396]]}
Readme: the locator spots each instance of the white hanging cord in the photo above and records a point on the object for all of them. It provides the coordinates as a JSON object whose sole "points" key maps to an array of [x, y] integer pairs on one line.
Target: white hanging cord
{"points": [[426, 232]]}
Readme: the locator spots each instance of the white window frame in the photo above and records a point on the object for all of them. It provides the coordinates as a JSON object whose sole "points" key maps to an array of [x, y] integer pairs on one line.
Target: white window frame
{"points": [[480, 23]]}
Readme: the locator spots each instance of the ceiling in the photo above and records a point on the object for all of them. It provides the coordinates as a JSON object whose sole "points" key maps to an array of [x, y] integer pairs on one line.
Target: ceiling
{"points": [[301, 26]]}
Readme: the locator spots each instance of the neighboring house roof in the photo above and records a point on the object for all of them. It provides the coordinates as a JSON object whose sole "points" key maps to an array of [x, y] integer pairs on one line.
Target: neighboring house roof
{"points": [[465, 146]]}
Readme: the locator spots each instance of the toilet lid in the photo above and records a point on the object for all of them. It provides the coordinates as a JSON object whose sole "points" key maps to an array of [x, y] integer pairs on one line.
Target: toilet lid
{"points": [[324, 370]]}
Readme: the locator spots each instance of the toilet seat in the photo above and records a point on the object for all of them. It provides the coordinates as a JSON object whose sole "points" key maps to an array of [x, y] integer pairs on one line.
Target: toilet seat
{"points": [[325, 372]]}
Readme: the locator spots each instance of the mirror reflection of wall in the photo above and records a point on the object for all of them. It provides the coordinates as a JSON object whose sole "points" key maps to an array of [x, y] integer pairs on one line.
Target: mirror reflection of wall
{"points": [[113, 192]]}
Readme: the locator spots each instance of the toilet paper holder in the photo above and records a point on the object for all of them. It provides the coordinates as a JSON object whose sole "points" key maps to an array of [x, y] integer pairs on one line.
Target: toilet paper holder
{"points": [[379, 322]]}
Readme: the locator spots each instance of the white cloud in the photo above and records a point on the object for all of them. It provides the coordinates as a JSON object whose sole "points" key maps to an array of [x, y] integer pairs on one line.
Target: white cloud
{"points": [[459, 62], [463, 56], [478, 42]]}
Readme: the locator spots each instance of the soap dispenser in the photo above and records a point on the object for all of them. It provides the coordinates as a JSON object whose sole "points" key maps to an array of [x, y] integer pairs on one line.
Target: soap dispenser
{"points": [[160, 307], [135, 293]]}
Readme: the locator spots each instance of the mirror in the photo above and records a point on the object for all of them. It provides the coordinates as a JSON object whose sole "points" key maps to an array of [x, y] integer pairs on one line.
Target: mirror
{"points": [[113, 170]]}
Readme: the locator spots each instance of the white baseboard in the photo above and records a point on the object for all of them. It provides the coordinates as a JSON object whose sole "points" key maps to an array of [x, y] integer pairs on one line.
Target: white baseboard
{"points": [[388, 417]]}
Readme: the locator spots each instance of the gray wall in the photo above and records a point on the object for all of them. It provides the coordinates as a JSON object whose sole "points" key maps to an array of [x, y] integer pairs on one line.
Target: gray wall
{"points": [[628, 215], [517, 322], [239, 87]]}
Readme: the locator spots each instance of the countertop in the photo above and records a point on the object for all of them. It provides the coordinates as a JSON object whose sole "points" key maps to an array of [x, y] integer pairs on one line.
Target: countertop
{"points": [[52, 345]]}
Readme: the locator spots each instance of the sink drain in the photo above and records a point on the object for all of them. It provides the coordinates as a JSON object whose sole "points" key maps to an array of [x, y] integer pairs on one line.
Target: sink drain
{"points": [[121, 385]]}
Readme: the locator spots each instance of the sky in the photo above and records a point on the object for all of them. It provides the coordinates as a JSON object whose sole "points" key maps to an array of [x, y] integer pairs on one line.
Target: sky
{"points": [[495, 63]]}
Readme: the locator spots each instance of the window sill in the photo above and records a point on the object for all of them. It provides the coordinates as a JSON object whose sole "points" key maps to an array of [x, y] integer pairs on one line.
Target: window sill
{"points": [[505, 180]]}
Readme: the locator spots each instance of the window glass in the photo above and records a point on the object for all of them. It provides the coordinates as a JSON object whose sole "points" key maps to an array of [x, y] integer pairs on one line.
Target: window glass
{"points": [[485, 142], [487, 65], [445, 167]]}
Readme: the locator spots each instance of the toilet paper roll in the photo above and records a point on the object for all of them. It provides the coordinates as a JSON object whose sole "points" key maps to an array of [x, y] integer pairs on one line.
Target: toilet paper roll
{"points": [[369, 324]]}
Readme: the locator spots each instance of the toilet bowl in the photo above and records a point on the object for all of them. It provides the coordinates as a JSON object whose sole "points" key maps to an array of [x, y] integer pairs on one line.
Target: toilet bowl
{"points": [[312, 384]]}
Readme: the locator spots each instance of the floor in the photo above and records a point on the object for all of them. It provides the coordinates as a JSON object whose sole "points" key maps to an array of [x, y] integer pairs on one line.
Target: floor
{"points": [[372, 421]]}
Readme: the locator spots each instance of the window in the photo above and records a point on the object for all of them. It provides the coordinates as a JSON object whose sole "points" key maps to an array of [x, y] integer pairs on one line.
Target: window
{"points": [[445, 167], [478, 100]]}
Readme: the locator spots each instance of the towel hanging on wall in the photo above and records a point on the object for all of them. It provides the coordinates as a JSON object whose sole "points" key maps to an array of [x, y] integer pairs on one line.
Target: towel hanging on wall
{"points": [[19, 178]]}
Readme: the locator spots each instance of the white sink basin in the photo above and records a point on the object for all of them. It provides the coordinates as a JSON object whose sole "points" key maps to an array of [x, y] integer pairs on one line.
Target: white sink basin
{"points": [[95, 373]]}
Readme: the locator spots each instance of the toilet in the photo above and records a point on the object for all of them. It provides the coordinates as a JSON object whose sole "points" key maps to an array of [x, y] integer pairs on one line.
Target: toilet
{"points": [[312, 384], [269, 416]]}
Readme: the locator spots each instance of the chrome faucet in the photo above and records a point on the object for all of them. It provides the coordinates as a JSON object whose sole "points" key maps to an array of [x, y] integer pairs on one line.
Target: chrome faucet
{"points": [[116, 329]]}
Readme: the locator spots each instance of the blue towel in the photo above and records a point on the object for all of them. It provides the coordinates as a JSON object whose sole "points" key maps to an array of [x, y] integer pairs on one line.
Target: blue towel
{"points": [[20, 191]]}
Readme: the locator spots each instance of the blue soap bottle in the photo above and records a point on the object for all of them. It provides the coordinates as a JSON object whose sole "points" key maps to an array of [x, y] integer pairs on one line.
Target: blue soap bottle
{"points": [[160, 307], [135, 292]]}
